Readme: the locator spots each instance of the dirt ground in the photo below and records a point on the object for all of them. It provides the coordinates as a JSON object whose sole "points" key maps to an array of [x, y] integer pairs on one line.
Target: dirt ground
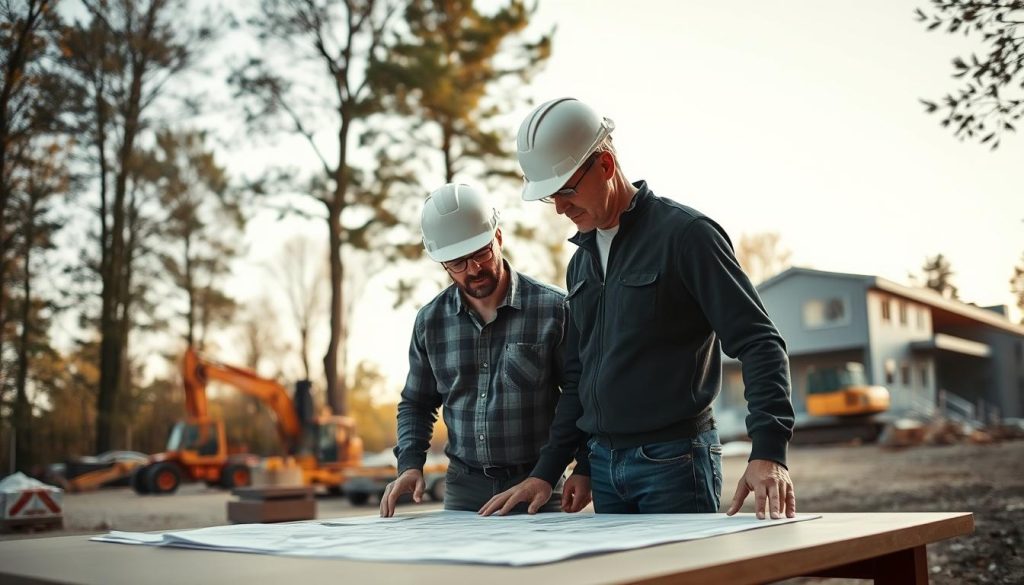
{"points": [[984, 479]]}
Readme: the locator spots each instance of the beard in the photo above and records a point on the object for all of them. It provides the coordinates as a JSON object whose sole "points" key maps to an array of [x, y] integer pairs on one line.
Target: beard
{"points": [[480, 286]]}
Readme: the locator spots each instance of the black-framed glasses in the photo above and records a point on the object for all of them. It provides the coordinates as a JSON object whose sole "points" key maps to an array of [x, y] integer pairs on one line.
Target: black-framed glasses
{"points": [[570, 191], [479, 258]]}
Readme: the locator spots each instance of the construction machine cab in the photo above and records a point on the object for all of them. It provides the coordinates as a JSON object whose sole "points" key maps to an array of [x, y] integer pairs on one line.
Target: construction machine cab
{"points": [[844, 391]]}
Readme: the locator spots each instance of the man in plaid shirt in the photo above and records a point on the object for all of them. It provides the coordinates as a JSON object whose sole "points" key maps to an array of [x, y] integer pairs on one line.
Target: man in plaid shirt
{"points": [[488, 349]]}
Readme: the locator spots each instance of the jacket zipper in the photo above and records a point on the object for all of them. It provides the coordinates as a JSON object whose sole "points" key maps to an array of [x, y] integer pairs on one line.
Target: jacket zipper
{"points": [[600, 354]]}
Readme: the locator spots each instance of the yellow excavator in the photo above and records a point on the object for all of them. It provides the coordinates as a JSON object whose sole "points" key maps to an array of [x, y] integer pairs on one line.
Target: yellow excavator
{"points": [[322, 446], [844, 391]]}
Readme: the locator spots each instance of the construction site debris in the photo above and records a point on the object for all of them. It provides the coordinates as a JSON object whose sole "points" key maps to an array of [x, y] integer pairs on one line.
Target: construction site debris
{"points": [[906, 432]]}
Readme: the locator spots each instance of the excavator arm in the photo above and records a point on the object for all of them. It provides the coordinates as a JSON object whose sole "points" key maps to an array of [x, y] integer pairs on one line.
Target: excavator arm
{"points": [[198, 371]]}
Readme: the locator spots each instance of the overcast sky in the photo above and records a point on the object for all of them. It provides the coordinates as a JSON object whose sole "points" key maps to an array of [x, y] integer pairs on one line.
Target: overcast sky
{"points": [[800, 117]]}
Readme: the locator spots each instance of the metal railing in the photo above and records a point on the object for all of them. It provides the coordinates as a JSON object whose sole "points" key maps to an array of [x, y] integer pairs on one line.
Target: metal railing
{"points": [[955, 408]]}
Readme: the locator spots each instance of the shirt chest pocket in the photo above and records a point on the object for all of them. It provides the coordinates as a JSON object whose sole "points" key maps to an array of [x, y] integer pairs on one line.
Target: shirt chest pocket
{"points": [[638, 298], [522, 369]]}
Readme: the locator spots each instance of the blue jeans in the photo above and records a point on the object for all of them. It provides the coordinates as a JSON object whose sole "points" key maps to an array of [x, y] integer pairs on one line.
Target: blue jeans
{"points": [[469, 491], [681, 476]]}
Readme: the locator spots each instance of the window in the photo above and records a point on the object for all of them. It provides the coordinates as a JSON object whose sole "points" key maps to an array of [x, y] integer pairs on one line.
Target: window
{"points": [[903, 313], [905, 375], [890, 372], [826, 312], [924, 376], [886, 311], [920, 317]]}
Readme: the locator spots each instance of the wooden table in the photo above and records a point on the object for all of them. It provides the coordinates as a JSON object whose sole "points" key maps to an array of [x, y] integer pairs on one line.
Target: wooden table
{"points": [[887, 547]]}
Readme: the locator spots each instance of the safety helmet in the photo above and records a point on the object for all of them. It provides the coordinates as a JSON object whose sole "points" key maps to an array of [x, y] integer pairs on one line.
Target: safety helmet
{"points": [[456, 221], [555, 140]]}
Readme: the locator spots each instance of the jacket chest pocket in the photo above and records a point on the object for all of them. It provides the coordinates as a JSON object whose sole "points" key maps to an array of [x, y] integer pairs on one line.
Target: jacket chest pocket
{"points": [[582, 304], [638, 299]]}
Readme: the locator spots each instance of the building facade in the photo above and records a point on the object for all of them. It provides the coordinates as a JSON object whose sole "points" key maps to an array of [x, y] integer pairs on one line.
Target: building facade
{"points": [[932, 353]]}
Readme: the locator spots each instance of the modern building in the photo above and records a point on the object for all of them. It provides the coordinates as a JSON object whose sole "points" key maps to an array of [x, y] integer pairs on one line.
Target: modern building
{"points": [[929, 351]]}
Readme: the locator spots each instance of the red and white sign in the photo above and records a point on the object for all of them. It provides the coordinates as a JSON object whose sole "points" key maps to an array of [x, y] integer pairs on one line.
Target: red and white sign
{"points": [[31, 504]]}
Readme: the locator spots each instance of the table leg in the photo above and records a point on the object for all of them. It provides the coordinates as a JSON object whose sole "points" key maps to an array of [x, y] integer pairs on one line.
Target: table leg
{"points": [[906, 566]]}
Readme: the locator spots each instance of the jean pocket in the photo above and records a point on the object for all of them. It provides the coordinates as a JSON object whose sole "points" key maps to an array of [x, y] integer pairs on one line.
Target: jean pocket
{"points": [[667, 452], [453, 473], [716, 467]]}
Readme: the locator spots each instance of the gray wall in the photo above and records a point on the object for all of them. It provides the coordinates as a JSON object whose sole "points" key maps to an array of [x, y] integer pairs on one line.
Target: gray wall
{"points": [[997, 379], [786, 301], [891, 352]]}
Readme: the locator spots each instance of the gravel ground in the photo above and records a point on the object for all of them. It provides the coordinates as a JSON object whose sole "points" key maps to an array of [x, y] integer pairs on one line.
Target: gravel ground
{"points": [[983, 479]]}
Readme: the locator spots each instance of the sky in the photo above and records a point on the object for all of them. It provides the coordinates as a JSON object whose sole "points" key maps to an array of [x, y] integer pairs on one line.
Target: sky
{"points": [[799, 117]]}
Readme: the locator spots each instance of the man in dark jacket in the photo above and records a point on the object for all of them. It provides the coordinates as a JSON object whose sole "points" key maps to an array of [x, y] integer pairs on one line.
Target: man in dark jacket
{"points": [[655, 296]]}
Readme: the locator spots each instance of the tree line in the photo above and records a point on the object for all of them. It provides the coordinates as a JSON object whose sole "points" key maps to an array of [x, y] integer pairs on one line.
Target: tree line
{"points": [[119, 222]]}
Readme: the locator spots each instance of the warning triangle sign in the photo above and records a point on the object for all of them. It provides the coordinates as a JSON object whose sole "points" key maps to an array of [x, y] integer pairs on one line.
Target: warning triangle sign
{"points": [[36, 503]]}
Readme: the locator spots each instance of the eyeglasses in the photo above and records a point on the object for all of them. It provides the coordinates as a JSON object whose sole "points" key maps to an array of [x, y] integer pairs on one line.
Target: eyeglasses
{"points": [[479, 258], [570, 191]]}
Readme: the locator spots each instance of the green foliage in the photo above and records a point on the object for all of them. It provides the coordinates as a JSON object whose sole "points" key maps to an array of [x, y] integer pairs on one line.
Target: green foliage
{"points": [[42, 176], [991, 100], [1017, 286], [310, 76], [121, 57], [376, 420], [64, 425], [938, 276], [248, 423], [201, 228], [762, 256], [453, 72], [32, 97]]}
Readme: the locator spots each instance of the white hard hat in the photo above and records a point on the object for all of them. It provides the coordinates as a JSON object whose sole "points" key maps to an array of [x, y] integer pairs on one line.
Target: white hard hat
{"points": [[456, 221], [555, 140]]}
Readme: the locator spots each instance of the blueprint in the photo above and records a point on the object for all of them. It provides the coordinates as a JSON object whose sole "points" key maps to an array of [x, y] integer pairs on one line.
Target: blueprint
{"points": [[456, 537]]}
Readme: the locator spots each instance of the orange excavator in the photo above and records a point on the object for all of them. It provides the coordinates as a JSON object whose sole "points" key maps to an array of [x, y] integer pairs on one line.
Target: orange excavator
{"points": [[844, 391], [322, 446]]}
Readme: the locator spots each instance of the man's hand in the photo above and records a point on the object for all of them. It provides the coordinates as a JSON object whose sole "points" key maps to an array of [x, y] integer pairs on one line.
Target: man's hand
{"points": [[532, 489], [771, 484], [411, 480], [575, 493]]}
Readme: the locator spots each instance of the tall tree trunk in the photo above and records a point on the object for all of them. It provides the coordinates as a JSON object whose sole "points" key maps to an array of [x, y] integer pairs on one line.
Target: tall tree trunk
{"points": [[125, 319], [4, 190], [446, 149], [191, 292], [22, 408], [337, 396], [304, 334], [110, 354], [114, 344], [336, 380]]}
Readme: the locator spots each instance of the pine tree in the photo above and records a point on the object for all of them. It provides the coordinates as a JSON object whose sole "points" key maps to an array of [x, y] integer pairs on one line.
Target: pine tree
{"points": [[938, 276], [121, 58], [1017, 286]]}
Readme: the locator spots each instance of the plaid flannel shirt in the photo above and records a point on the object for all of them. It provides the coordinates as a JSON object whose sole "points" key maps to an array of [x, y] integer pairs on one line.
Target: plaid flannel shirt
{"points": [[499, 382]]}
